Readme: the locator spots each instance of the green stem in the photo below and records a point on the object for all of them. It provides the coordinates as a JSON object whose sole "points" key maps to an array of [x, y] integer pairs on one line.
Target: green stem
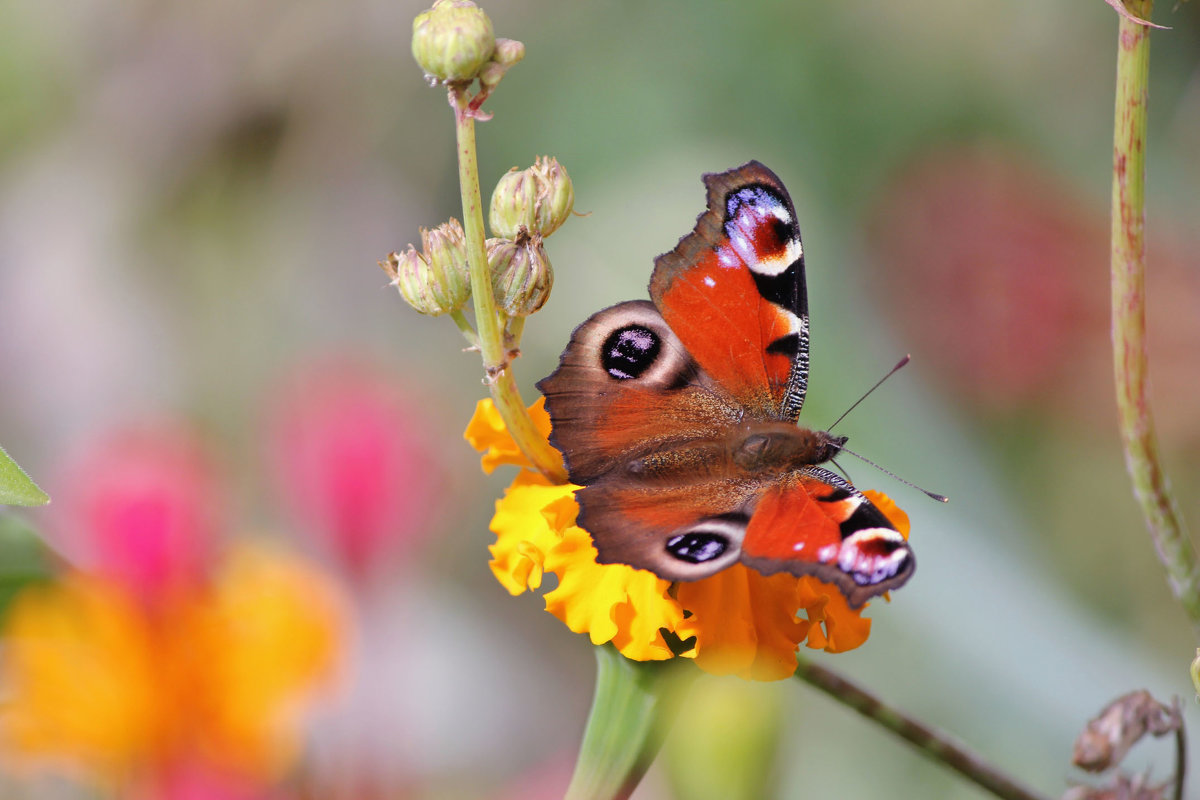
{"points": [[1150, 484], [514, 328], [632, 709], [932, 743], [490, 345], [500, 381], [464, 327]]}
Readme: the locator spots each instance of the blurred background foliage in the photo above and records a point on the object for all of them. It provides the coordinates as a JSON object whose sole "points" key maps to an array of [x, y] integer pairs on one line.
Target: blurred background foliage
{"points": [[193, 198]]}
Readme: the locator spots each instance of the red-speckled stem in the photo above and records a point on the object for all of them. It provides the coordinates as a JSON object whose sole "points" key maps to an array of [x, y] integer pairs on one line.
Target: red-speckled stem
{"points": [[1150, 484]]}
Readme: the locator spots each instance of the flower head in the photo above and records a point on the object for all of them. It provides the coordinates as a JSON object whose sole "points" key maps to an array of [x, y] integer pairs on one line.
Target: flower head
{"points": [[737, 621]]}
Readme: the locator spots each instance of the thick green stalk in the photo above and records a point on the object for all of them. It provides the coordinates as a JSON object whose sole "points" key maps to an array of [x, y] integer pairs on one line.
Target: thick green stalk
{"points": [[930, 742], [487, 322], [1150, 484], [631, 711]]}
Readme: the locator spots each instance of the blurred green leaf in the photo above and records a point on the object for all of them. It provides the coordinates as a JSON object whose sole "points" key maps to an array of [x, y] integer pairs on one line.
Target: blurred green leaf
{"points": [[16, 488], [24, 558]]}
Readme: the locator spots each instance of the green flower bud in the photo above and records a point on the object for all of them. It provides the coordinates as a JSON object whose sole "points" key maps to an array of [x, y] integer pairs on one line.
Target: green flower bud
{"points": [[435, 281], [556, 195], [452, 40], [513, 202], [508, 52], [521, 274]]}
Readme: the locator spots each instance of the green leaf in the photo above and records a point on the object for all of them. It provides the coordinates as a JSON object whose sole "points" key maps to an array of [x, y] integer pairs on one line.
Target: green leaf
{"points": [[24, 558], [16, 488]]}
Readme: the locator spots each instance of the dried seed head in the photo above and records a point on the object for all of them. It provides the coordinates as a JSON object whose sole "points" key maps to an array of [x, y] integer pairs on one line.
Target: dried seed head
{"points": [[521, 274], [556, 195], [538, 199], [435, 281], [513, 204]]}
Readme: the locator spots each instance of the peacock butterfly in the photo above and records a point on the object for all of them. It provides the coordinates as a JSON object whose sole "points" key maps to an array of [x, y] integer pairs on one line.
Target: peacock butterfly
{"points": [[677, 417]]}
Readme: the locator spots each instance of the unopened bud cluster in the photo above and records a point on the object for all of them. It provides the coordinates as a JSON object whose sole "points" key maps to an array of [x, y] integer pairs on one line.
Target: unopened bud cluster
{"points": [[453, 42], [436, 280], [527, 205]]}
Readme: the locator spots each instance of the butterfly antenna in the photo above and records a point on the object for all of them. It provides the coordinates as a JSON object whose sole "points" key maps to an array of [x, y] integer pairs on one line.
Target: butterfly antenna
{"points": [[941, 498], [840, 469], [867, 394]]}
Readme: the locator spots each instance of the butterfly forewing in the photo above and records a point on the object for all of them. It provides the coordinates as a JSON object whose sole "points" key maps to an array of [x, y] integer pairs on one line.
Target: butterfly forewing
{"points": [[733, 291], [624, 387]]}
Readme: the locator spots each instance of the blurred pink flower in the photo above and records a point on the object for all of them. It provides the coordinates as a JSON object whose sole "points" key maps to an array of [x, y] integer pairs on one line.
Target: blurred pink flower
{"points": [[995, 269], [354, 470], [142, 507]]}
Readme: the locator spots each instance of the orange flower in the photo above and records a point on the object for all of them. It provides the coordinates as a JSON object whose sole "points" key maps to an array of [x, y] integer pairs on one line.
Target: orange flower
{"points": [[737, 621], [217, 674]]}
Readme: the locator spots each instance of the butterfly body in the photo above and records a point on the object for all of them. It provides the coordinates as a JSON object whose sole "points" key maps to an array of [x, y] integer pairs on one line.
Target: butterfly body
{"points": [[677, 417]]}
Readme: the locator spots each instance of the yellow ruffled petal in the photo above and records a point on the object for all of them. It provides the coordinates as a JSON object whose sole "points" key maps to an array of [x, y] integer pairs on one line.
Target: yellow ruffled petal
{"points": [[524, 536], [641, 620], [487, 434], [610, 602], [835, 627], [744, 623]]}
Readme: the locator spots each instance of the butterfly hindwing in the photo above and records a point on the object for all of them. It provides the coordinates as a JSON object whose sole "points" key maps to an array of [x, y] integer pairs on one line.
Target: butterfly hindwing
{"points": [[733, 290], [815, 523]]}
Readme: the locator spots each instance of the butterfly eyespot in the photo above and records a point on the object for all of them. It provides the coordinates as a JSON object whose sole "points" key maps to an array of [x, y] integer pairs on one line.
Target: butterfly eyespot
{"points": [[697, 547], [629, 351]]}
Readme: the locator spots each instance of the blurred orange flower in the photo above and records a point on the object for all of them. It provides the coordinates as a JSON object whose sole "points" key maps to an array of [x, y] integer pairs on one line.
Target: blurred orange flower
{"points": [[97, 681], [737, 621], [169, 665]]}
